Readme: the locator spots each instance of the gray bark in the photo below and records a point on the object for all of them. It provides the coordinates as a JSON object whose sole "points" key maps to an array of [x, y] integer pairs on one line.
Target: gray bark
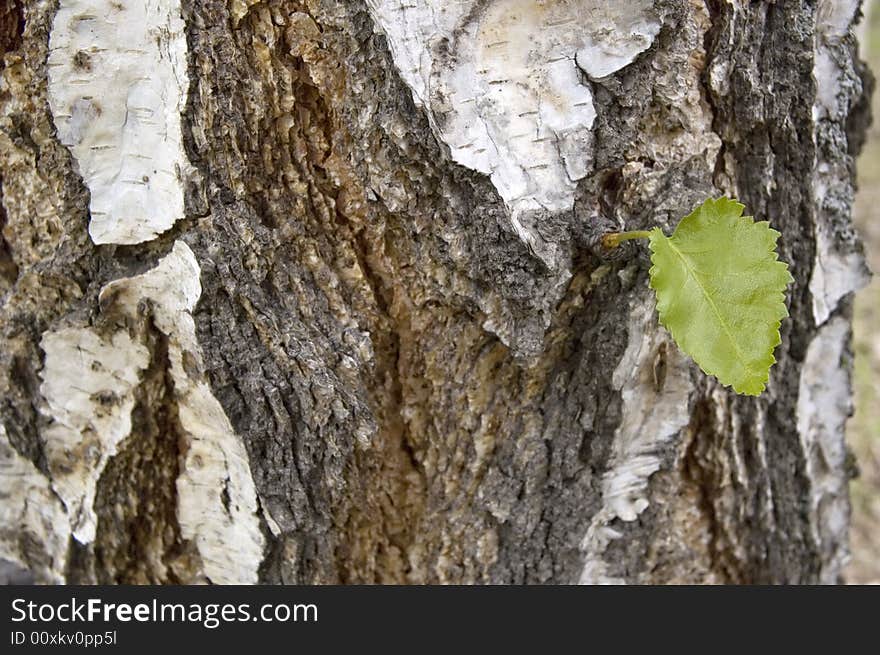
{"points": [[418, 392]]}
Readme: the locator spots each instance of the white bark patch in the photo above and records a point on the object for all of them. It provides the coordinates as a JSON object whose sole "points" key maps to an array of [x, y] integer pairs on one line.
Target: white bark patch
{"points": [[824, 403], [824, 386], [217, 501], [34, 532], [88, 385], [503, 83], [835, 274], [117, 85], [655, 387]]}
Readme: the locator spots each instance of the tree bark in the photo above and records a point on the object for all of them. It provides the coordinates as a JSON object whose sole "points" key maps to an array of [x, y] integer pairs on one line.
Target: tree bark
{"points": [[308, 291]]}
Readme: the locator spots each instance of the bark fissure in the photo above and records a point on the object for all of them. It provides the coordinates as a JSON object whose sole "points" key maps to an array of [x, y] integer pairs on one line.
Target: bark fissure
{"points": [[431, 383], [138, 540]]}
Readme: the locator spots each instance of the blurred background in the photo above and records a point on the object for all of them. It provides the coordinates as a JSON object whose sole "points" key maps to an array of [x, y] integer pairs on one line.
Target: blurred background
{"points": [[863, 429]]}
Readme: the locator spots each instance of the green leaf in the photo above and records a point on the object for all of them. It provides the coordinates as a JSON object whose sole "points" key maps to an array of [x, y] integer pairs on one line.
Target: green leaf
{"points": [[720, 292]]}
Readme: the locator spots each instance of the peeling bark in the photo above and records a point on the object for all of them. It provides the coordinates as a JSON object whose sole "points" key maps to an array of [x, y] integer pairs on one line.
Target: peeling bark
{"points": [[349, 327], [117, 85]]}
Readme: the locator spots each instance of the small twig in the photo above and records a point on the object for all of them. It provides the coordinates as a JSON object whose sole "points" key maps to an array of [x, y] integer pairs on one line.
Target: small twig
{"points": [[614, 239]]}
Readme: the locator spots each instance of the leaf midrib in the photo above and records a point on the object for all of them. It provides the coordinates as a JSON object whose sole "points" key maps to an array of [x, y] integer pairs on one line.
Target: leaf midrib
{"points": [[693, 274]]}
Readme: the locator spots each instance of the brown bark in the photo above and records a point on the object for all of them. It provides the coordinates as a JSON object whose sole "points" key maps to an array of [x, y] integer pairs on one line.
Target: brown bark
{"points": [[422, 396]]}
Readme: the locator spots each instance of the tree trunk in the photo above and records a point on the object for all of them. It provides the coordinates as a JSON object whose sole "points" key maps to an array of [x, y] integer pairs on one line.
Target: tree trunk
{"points": [[307, 291]]}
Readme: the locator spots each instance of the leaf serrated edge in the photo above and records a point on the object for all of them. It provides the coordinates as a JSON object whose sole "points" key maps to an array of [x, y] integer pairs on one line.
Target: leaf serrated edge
{"points": [[765, 378]]}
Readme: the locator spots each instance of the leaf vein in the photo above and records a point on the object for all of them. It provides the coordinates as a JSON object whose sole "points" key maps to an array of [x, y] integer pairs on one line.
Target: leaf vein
{"points": [[692, 273]]}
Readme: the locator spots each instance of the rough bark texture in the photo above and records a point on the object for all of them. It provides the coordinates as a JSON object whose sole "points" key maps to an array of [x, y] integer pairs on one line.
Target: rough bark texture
{"points": [[357, 358]]}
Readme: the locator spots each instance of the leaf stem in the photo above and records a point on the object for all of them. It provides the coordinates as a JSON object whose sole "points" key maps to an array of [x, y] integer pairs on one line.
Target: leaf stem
{"points": [[614, 239]]}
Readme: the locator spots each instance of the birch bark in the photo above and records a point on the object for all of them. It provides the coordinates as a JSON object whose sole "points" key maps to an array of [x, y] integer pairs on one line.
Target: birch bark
{"points": [[303, 291]]}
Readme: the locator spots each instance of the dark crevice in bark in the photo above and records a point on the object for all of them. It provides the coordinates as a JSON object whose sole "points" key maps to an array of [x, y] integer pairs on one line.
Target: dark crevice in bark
{"points": [[860, 117], [21, 419], [394, 480], [700, 468], [138, 539], [8, 267], [761, 129], [11, 27], [80, 568], [420, 398], [11, 30]]}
